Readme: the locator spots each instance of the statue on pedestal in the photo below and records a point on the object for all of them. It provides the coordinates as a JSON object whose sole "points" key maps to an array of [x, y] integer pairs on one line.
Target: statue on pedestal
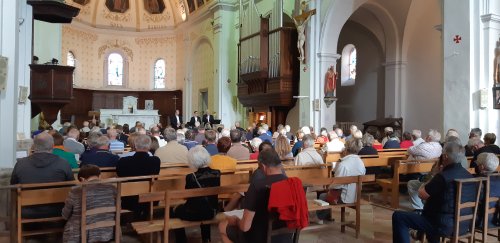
{"points": [[300, 22]]}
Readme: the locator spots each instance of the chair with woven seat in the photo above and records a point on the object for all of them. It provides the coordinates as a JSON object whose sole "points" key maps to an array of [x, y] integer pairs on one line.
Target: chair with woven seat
{"points": [[488, 213]]}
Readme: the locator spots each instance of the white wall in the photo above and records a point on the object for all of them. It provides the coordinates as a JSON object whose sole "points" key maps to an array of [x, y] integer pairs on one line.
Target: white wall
{"points": [[422, 90], [47, 41]]}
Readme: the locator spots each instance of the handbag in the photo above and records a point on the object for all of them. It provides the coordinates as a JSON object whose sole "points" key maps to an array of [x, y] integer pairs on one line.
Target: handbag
{"points": [[333, 196]]}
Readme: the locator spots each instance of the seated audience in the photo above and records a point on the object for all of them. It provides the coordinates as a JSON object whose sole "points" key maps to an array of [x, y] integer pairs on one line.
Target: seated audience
{"points": [[340, 134], [297, 146], [154, 145], [392, 141], [376, 142], [254, 224], [323, 136], [263, 135], [255, 143], [451, 133], [173, 152], [97, 195], [71, 143], [59, 151], [282, 147], [122, 137], [487, 147], [334, 144], [198, 208], [309, 155], [407, 140], [211, 147], [474, 133], [237, 150], [439, 195], [417, 137], [114, 144], [139, 164], [430, 149], [289, 134], [352, 129], [249, 133], [487, 164], [41, 167], [349, 165], [222, 161], [155, 131], [387, 132], [99, 154], [85, 128], [368, 148], [200, 136], [189, 141]]}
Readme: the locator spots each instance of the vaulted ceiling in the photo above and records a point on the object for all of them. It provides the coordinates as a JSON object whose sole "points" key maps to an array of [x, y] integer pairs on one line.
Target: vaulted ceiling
{"points": [[135, 15]]}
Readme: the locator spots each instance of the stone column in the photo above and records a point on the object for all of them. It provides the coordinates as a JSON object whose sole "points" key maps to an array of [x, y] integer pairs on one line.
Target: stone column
{"points": [[457, 65], [393, 72]]}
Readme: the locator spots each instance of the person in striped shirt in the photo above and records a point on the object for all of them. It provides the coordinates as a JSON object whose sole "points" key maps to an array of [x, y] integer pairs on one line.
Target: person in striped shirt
{"points": [[114, 144]]}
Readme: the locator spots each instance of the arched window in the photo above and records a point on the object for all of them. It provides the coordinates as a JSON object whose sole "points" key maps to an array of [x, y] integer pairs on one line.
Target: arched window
{"points": [[349, 61], [159, 74], [70, 59], [115, 69]]}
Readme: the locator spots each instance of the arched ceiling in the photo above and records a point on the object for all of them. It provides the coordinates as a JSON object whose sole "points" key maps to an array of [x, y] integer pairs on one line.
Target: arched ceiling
{"points": [[135, 15]]}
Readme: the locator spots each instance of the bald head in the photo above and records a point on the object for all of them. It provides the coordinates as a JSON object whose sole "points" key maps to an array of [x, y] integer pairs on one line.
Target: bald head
{"points": [[43, 143]]}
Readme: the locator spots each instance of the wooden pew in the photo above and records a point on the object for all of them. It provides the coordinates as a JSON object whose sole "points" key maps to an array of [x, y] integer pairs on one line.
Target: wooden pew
{"points": [[359, 180], [169, 197], [402, 167], [393, 152], [331, 157], [308, 171]]}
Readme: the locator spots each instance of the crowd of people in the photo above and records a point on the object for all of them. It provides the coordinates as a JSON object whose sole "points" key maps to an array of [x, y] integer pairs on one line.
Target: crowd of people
{"points": [[210, 151]]}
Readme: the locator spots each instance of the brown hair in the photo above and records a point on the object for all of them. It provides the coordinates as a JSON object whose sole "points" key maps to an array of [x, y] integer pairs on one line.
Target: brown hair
{"points": [[282, 146], [224, 144], [489, 138], [87, 171], [131, 140], [58, 139]]}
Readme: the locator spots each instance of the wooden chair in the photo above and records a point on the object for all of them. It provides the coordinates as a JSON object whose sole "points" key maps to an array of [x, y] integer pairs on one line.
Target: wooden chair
{"points": [[100, 210], [359, 180], [390, 187], [7, 216], [489, 207], [468, 192], [169, 197]]}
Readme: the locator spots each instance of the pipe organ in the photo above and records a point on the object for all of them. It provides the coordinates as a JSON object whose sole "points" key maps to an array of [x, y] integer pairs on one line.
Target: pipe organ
{"points": [[268, 67]]}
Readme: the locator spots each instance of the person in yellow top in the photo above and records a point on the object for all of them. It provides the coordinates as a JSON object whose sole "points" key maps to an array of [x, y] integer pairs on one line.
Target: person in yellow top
{"points": [[221, 161]]}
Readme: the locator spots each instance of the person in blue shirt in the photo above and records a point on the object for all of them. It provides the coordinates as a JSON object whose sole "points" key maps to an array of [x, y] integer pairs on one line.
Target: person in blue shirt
{"points": [[99, 154], [211, 147]]}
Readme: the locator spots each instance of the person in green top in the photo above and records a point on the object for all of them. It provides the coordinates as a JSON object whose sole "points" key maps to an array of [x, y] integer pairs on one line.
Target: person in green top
{"points": [[59, 151]]}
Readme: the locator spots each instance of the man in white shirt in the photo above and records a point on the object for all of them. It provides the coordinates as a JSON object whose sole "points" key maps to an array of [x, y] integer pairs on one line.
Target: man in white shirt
{"points": [[335, 145], [417, 137], [309, 155], [155, 131], [176, 120], [85, 127], [195, 120]]}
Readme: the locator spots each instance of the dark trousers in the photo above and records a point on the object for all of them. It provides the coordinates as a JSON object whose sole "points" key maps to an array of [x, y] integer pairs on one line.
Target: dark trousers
{"points": [[402, 222], [180, 234]]}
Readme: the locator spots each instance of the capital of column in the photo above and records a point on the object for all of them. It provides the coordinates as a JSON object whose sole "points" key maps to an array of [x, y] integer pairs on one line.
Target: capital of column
{"points": [[328, 57]]}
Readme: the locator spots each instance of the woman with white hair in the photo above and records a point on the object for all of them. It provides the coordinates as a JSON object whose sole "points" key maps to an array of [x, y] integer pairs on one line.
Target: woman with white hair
{"points": [[255, 143], [487, 163], [334, 145], [323, 136], [198, 208]]}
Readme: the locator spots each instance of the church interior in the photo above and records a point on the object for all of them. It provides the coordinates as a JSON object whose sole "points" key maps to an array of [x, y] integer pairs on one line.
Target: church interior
{"points": [[426, 65]]}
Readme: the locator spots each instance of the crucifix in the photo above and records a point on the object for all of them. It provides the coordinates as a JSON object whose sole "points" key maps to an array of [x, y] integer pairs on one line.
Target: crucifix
{"points": [[300, 22], [175, 101]]}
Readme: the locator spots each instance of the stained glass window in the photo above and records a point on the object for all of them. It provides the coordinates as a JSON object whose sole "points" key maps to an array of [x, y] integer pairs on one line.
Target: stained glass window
{"points": [[115, 69], [159, 74], [352, 64]]}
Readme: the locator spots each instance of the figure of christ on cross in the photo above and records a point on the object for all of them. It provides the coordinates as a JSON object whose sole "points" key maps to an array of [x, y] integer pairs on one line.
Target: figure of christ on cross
{"points": [[300, 22]]}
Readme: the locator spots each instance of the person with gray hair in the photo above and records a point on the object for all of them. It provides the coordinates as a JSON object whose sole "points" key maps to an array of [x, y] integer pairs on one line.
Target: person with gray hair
{"points": [[98, 154], [198, 208], [475, 133], [263, 135], [308, 155], [349, 165], [368, 148], [237, 150], [430, 149], [255, 143], [155, 131], [487, 163], [71, 143], [417, 137], [437, 218], [139, 164], [174, 151], [41, 167], [334, 145], [114, 144]]}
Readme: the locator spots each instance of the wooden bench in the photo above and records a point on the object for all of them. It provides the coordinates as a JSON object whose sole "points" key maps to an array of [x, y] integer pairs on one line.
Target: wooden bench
{"points": [[359, 180], [169, 197], [308, 171], [402, 167], [330, 157], [393, 152]]}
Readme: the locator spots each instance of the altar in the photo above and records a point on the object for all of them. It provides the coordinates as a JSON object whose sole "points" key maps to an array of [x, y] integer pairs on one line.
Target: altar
{"points": [[129, 114]]}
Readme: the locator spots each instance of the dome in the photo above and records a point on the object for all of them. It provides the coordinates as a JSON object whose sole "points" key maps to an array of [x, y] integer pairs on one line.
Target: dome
{"points": [[134, 15]]}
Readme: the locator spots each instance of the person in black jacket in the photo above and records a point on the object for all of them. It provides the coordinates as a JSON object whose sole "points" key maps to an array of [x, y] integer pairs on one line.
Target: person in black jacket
{"points": [[195, 119], [176, 120], [139, 164], [198, 208]]}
